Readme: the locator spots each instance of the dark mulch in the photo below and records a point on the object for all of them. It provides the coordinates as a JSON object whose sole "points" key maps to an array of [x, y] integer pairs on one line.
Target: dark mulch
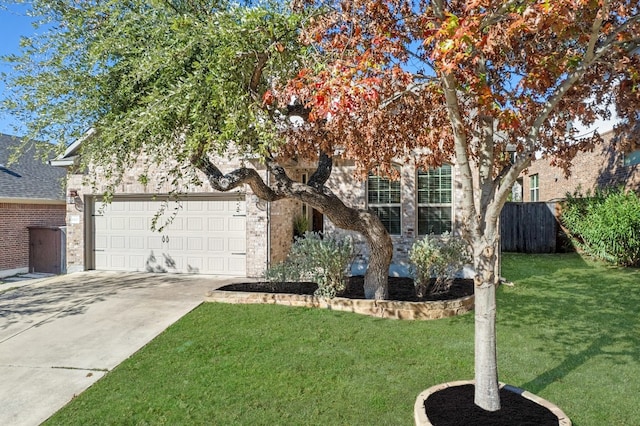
{"points": [[454, 406], [401, 289]]}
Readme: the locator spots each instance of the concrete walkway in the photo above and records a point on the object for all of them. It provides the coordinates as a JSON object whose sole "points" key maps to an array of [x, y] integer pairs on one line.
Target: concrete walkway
{"points": [[60, 335]]}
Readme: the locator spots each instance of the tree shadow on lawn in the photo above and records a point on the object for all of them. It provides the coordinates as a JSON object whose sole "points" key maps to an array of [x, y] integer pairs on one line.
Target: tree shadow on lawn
{"points": [[520, 266], [579, 314], [72, 294]]}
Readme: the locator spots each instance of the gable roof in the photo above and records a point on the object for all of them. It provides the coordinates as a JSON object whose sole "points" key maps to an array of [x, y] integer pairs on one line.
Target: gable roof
{"points": [[71, 155], [29, 178]]}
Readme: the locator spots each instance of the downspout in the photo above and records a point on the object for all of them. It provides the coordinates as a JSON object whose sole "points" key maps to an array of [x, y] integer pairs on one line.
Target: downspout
{"points": [[268, 226]]}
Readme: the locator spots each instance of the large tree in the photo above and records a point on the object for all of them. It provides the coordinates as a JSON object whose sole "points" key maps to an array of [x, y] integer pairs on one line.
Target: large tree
{"points": [[484, 84], [185, 81]]}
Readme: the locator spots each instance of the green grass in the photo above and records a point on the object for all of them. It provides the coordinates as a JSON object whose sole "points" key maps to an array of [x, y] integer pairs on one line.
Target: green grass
{"points": [[568, 331]]}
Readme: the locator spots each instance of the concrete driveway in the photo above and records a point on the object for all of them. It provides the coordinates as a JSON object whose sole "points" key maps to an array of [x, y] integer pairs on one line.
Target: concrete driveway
{"points": [[60, 335]]}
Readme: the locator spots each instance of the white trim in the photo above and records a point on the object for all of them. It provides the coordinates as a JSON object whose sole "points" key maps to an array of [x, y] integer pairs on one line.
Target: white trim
{"points": [[64, 162], [387, 205], [451, 204], [68, 159], [10, 200]]}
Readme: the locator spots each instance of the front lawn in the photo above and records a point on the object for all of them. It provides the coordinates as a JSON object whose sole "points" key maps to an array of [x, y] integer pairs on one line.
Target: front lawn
{"points": [[569, 331]]}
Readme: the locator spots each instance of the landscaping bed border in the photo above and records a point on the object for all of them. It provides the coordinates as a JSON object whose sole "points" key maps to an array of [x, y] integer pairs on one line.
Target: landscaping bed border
{"points": [[376, 308]]}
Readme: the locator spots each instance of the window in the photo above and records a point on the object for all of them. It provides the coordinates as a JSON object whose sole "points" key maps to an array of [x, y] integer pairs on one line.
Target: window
{"points": [[535, 187], [516, 191], [632, 158], [305, 207], [435, 189], [383, 197]]}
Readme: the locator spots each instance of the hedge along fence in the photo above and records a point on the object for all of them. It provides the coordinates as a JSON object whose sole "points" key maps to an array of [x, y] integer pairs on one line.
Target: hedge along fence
{"points": [[605, 225]]}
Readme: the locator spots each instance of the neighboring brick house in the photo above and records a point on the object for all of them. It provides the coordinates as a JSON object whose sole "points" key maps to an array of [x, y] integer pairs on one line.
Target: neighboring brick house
{"points": [[236, 233], [31, 195], [604, 167]]}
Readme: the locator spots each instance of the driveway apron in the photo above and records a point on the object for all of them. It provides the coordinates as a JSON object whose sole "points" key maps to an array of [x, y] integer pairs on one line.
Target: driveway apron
{"points": [[60, 335]]}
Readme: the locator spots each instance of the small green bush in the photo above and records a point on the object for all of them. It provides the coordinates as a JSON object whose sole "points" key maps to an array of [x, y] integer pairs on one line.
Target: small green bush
{"points": [[440, 257], [605, 225], [320, 259], [300, 225]]}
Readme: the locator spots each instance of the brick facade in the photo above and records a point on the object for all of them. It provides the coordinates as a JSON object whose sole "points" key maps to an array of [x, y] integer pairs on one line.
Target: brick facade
{"points": [[273, 221], [354, 193], [78, 214], [15, 218], [601, 168]]}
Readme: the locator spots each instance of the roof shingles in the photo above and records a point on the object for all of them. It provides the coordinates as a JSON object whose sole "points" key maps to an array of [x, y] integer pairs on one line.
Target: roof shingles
{"points": [[29, 177]]}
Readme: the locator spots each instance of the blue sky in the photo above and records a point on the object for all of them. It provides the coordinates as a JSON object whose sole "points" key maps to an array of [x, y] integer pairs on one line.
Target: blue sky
{"points": [[13, 23]]}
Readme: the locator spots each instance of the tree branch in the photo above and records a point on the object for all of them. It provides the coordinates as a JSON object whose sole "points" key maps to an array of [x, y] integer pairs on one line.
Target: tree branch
{"points": [[595, 32], [571, 79], [227, 182], [262, 59], [323, 171]]}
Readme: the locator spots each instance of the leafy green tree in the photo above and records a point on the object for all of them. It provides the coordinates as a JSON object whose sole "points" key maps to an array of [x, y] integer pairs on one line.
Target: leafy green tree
{"points": [[179, 80]]}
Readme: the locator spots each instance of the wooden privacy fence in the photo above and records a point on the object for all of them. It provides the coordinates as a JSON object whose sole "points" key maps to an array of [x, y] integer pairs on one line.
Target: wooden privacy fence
{"points": [[529, 227]]}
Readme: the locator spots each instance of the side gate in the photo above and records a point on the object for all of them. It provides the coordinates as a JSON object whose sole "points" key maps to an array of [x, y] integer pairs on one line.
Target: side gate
{"points": [[529, 227]]}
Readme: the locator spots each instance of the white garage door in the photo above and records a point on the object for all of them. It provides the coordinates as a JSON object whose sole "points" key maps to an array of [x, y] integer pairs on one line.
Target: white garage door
{"points": [[206, 237]]}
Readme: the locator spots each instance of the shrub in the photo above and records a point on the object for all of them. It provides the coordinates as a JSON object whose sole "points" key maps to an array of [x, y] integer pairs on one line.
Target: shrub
{"points": [[323, 260], [606, 225], [440, 257], [300, 225]]}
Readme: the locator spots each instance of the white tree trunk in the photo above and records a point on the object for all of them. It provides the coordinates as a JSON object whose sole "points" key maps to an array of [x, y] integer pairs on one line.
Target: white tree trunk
{"points": [[486, 371]]}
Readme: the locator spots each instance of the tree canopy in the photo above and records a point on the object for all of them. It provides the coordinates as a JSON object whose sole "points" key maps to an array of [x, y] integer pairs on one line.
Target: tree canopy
{"points": [[167, 77], [484, 84]]}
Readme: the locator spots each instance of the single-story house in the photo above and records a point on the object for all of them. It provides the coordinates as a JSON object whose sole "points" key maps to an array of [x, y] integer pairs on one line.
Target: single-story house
{"points": [[610, 164], [31, 196], [236, 233]]}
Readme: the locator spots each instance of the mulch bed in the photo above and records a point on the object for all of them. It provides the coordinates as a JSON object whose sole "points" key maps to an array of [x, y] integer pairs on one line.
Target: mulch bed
{"points": [[454, 406], [400, 289]]}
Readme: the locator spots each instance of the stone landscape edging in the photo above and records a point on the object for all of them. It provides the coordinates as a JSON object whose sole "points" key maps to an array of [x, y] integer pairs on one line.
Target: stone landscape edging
{"points": [[375, 308], [420, 414]]}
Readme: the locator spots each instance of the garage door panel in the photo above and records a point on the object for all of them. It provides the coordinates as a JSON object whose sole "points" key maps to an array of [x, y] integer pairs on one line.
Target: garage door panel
{"points": [[194, 206], [154, 242], [216, 224], [138, 224], [177, 224], [117, 207], [117, 242], [206, 236], [118, 261], [237, 245], [136, 206], [136, 242], [195, 264], [217, 207], [237, 224], [138, 261], [215, 244], [101, 241], [175, 243], [236, 262], [195, 243], [216, 263], [194, 224]]}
